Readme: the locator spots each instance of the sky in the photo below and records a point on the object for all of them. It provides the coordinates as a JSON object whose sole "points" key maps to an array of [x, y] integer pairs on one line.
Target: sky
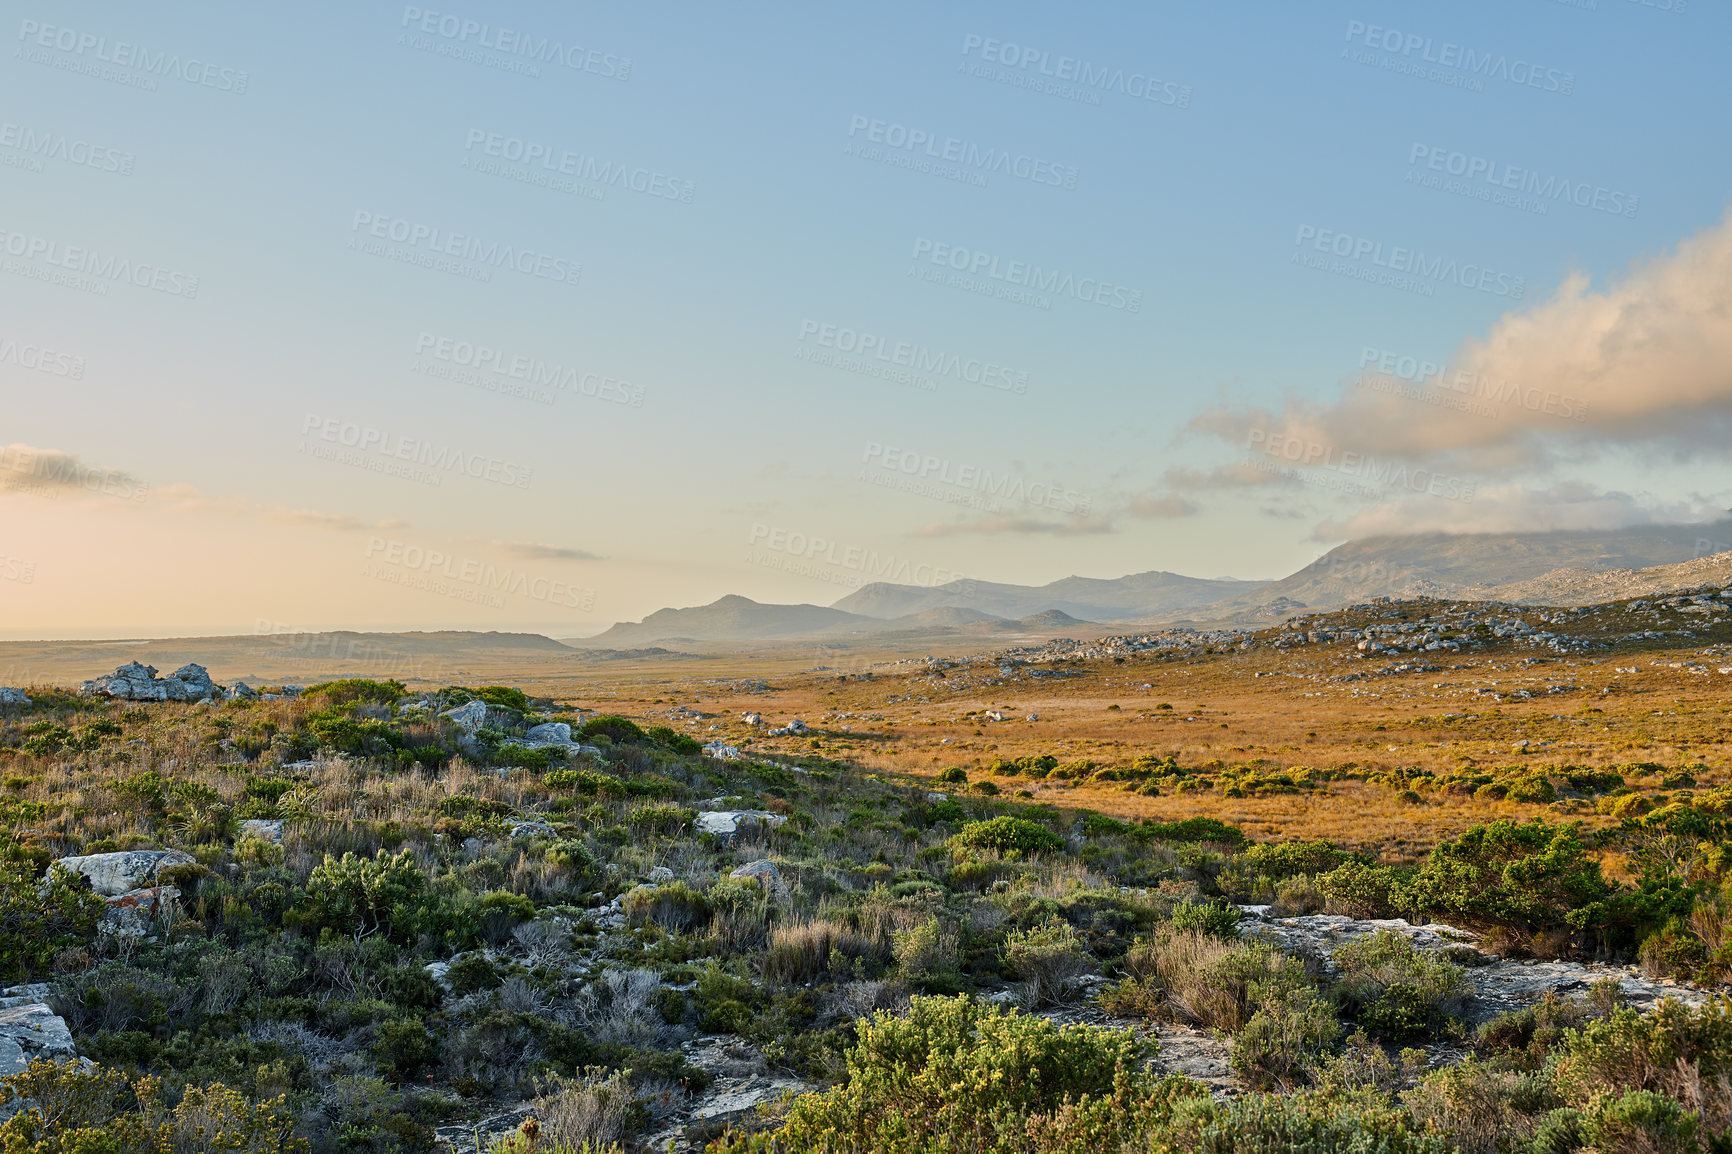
{"points": [[544, 316]]}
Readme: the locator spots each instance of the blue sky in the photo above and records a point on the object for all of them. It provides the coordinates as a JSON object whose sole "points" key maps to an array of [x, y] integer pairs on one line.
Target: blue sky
{"points": [[300, 438]]}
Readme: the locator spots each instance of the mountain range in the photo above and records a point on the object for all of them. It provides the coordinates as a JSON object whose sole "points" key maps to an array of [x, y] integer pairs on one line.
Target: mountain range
{"points": [[1555, 567]]}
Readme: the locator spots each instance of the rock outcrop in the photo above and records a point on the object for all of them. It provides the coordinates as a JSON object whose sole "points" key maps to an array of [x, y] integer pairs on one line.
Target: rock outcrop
{"points": [[13, 697], [114, 874], [29, 1029], [725, 823], [766, 874], [136, 682], [1499, 984]]}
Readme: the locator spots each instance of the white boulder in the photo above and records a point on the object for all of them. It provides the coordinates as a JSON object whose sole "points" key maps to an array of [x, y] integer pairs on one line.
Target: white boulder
{"points": [[470, 715], [114, 874], [13, 697], [728, 822]]}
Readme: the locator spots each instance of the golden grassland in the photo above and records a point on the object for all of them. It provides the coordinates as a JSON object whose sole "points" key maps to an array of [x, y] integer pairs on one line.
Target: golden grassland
{"points": [[1275, 711]]}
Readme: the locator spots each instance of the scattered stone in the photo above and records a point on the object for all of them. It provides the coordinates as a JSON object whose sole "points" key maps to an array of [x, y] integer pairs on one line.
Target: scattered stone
{"points": [[728, 822], [483, 1134], [722, 751], [766, 874], [134, 913], [795, 728], [243, 692], [267, 829], [113, 874], [660, 874], [935, 795], [13, 697], [752, 718], [1500, 984], [530, 829], [743, 1081], [135, 682], [557, 731], [30, 1030], [471, 715]]}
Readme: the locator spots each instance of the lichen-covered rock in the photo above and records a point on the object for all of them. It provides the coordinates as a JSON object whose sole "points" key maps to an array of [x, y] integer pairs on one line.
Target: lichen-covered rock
{"points": [[30, 1030], [471, 715], [113, 874], [728, 822], [13, 697], [268, 829], [557, 731], [766, 874], [136, 682], [134, 914]]}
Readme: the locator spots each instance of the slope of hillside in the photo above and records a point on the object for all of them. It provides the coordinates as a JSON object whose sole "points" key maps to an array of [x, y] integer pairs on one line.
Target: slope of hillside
{"points": [[1121, 599], [1439, 564], [1585, 587], [731, 618]]}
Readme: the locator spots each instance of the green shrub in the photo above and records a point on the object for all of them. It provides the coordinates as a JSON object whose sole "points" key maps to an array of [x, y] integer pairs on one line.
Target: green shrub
{"points": [[1191, 829], [1394, 989], [949, 810], [362, 896], [1008, 835], [955, 775], [1357, 890], [70, 1110], [1531, 876], [38, 920], [1278, 860], [1285, 1040], [1048, 956], [472, 973], [619, 730], [356, 690], [1307, 1123], [953, 1073], [674, 740], [1215, 918]]}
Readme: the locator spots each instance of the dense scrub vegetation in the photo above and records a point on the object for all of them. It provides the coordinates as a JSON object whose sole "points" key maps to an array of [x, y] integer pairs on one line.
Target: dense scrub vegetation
{"points": [[434, 937]]}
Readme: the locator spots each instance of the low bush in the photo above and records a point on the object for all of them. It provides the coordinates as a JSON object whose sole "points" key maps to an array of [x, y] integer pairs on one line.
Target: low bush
{"points": [[1008, 835], [1394, 989]]}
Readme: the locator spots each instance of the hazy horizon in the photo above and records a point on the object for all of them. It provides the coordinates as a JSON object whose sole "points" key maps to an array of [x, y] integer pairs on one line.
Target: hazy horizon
{"points": [[522, 317]]}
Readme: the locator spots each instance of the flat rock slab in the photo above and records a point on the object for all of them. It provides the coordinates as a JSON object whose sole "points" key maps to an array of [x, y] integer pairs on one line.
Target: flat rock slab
{"points": [[728, 822], [113, 874]]}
